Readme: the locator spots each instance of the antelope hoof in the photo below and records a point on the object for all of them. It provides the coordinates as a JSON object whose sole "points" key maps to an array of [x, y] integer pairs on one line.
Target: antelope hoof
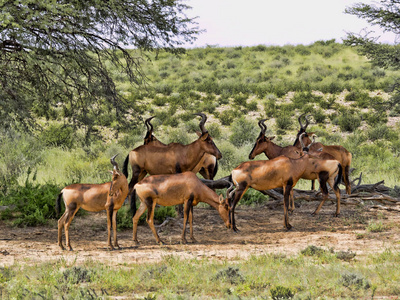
{"points": [[183, 241], [70, 248], [61, 247], [161, 243], [235, 229], [288, 226], [194, 240], [336, 215], [136, 243]]}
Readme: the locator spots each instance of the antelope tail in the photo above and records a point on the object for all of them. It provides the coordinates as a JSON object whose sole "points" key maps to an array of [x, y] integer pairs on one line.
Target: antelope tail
{"points": [[58, 204], [125, 167], [339, 177]]}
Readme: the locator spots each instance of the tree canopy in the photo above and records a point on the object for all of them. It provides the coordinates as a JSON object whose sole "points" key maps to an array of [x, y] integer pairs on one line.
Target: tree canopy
{"points": [[56, 56], [386, 15]]}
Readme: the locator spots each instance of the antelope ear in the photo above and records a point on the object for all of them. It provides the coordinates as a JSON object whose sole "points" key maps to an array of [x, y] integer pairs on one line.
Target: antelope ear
{"points": [[204, 136], [198, 133], [271, 138], [221, 199], [111, 171]]}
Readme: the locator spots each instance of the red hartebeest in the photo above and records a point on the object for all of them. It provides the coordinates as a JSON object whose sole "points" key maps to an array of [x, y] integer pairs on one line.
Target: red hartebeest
{"points": [[183, 188], [338, 152], [207, 166], [170, 159], [108, 196], [284, 172]]}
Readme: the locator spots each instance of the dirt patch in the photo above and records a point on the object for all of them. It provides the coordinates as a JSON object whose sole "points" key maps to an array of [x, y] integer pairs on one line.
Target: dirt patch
{"points": [[261, 232]]}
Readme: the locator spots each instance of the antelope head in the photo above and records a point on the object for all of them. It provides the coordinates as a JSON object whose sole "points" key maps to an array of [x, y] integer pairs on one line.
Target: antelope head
{"points": [[207, 142], [262, 141]]}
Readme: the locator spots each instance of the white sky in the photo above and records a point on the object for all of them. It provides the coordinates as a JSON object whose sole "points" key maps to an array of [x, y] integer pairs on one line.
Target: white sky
{"points": [[276, 22]]}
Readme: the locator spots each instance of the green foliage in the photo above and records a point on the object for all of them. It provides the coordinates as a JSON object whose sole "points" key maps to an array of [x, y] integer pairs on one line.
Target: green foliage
{"points": [[354, 281], [349, 121], [243, 131], [280, 293], [231, 275], [67, 42], [312, 251], [32, 204], [57, 135]]}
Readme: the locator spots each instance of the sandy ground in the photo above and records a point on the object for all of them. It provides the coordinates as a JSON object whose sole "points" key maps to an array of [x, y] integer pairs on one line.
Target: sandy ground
{"points": [[261, 232]]}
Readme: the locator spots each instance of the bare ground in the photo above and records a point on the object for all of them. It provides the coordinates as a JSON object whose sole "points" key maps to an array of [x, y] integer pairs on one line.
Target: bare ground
{"points": [[261, 232]]}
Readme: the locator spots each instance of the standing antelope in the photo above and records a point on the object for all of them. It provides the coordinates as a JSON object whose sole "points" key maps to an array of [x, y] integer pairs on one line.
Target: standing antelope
{"points": [[338, 152], [182, 188], [108, 196], [284, 172], [207, 166], [170, 159]]}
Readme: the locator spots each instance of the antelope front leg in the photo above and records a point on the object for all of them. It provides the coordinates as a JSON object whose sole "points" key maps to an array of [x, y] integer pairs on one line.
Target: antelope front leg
{"points": [[114, 219], [286, 195], [109, 217]]}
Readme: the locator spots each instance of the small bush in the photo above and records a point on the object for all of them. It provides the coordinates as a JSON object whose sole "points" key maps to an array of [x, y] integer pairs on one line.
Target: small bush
{"points": [[281, 293], [231, 275], [227, 116], [312, 251], [376, 227], [349, 121], [58, 135], [243, 131], [31, 205], [284, 120], [352, 280], [345, 255]]}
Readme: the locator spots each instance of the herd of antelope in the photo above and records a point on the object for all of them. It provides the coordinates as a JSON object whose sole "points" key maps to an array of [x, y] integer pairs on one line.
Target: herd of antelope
{"points": [[172, 179]]}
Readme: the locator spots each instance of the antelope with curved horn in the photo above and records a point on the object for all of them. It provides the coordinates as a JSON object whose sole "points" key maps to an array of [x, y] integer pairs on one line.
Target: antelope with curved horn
{"points": [[170, 159], [108, 196], [271, 150], [283, 171], [338, 152], [183, 188], [208, 165]]}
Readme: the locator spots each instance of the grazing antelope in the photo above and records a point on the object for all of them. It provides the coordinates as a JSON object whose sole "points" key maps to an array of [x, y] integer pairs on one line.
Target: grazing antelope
{"points": [[182, 188], [207, 166], [284, 172], [338, 152], [170, 159], [108, 196]]}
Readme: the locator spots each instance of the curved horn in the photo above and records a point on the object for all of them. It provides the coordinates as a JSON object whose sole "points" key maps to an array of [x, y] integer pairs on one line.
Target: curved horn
{"points": [[202, 122], [148, 124], [262, 125], [114, 163], [301, 140], [230, 191], [307, 121], [301, 125]]}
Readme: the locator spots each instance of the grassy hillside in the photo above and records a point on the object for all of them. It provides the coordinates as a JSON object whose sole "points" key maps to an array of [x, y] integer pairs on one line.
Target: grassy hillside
{"points": [[347, 97]]}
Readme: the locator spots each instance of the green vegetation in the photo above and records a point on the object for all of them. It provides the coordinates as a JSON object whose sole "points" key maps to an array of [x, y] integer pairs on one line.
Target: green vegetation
{"points": [[273, 276], [235, 87]]}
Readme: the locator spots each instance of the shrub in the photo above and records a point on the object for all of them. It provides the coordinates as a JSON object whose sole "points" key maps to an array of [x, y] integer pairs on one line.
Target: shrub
{"points": [[352, 280], [281, 293], [58, 135], [231, 275], [243, 131], [284, 120], [312, 251], [227, 116], [349, 121], [31, 205]]}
